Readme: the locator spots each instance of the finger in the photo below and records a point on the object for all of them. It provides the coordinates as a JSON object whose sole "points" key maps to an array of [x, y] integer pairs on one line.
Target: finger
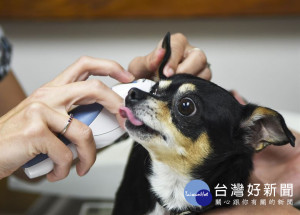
{"points": [[179, 44], [44, 141], [61, 156], [145, 66], [77, 132], [206, 74], [194, 63], [88, 92], [238, 97], [80, 135], [86, 66], [175, 59]]}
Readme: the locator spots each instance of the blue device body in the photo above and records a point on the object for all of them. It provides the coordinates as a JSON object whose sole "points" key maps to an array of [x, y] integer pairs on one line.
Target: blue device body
{"points": [[84, 113]]}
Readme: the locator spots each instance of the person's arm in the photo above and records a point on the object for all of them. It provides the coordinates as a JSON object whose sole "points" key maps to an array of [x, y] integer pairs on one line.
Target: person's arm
{"points": [[11, 93], [32, 126]]}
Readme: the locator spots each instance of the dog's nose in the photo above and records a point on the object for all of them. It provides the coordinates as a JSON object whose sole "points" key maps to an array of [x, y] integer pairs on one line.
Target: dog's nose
{"points": [[135, 95]]}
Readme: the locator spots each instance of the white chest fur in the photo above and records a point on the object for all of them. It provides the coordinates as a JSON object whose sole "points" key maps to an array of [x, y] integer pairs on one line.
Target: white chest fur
{"points": [[169, 186]]}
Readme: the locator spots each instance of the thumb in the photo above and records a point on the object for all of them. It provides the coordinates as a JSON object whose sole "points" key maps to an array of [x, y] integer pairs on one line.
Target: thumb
{"points": [[145, 66]]}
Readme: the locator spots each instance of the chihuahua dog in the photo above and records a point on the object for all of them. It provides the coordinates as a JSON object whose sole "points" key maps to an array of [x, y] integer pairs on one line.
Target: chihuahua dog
{"points": [[188, 128]]}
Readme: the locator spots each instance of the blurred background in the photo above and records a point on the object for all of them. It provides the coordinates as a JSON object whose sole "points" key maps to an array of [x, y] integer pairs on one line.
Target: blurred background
{"points": [[259, 57], [252, 46]]}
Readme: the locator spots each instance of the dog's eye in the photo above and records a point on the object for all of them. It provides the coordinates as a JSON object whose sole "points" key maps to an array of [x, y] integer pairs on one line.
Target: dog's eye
{"points": [[186, 106]]}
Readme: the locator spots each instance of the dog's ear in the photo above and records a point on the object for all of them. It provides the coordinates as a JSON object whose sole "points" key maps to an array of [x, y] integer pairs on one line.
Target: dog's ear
{"points": [[263, 126], [166, 44]]}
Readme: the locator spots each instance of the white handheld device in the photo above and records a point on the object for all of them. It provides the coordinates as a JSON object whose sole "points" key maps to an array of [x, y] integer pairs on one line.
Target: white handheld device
{"points": [[104, 126]]}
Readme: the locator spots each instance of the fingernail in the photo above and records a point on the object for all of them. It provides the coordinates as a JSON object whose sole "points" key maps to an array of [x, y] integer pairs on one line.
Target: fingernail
{"points": [[165, 71], [84, 173], [129, 75], [169, 72]]}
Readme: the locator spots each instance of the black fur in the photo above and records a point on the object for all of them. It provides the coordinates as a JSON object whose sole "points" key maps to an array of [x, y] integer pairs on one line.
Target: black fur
{"points": [[134, 196], [219, 116], [166, 44]]}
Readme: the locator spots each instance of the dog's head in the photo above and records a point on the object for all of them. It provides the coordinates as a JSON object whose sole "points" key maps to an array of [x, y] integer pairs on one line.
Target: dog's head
{"points": [[186, 120], [199, 129]]}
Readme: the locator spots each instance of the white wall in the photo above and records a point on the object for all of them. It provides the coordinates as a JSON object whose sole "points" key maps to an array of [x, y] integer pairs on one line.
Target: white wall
{"points": [[258, 57]]}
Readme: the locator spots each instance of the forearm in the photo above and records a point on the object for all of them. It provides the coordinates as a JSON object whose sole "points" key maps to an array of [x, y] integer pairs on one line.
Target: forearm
{"points": [[11, 93]]}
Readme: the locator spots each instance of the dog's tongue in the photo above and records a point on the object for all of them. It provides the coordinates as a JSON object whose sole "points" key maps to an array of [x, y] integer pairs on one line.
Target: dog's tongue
{"points": [[125, 112]]}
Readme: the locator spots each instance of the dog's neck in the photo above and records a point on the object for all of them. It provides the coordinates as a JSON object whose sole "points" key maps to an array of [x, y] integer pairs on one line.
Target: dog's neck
{"points": [[168, 186]]}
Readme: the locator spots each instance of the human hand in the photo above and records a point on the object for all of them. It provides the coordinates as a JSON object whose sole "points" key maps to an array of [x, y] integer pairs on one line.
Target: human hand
{"points": [[31, 127], [185, 58], [280, 165]]}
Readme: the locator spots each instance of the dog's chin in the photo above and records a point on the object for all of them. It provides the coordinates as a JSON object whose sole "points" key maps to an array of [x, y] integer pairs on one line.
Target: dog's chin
{"points": [[136, 127], [142, 132], [144, 129]]}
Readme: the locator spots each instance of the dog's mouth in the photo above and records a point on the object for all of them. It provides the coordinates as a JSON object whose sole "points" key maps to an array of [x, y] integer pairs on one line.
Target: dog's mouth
{"points": [[125, 112], [134, 123]]}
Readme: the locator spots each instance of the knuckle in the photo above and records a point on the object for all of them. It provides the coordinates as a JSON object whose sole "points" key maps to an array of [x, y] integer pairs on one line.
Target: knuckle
{"points": [[35, 126], [87, 134], [34, 108], [113, 63], [180, 37], [68, 157], [84, 60], [96, 85], [202, 57], [62, 174], [113, 67], [34, 130], [40, 93]]}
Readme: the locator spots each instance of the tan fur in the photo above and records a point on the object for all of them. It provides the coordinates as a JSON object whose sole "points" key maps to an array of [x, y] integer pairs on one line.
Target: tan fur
{"points": [[263, 111], [182, 154], [164, 84], [257, 114], [186, 87]]}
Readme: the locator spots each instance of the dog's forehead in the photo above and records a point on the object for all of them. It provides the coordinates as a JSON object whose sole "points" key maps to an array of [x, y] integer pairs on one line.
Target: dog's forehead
{"points": [[164, 84], [182, 84], [180, 87], [211, 98]]}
